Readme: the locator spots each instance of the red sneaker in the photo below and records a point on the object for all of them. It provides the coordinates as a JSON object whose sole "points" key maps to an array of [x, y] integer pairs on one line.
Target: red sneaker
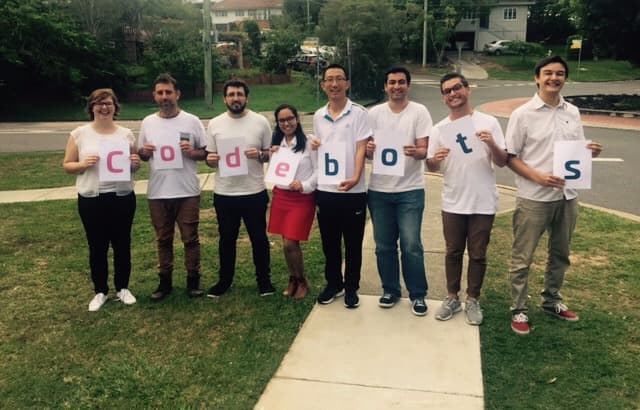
{"points": [[520, 323], [561, 312]]}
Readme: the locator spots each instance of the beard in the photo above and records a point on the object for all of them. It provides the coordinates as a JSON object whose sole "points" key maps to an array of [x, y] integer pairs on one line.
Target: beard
{"points": [[236, 108]]}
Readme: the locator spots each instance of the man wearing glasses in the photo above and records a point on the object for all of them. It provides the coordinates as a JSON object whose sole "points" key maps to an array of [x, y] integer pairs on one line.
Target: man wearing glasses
{"points": [[342, 206], [396, 202], [240, 197], [465, 146]]}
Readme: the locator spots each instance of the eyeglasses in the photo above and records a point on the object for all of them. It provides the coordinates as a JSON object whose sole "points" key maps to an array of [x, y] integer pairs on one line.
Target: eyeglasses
{"points": [[455, 88], [334, 80], [286, 119]]}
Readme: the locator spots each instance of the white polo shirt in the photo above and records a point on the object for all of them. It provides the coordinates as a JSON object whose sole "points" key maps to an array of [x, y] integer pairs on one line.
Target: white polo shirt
{"points": [[532, 130], [350, 127]]}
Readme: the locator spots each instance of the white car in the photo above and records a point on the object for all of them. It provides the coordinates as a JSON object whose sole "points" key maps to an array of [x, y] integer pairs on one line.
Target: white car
{"points": [[498, 47]]}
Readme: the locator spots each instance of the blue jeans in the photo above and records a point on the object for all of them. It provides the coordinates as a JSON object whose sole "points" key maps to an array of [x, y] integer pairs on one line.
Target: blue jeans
{"points": [[398, 216]]}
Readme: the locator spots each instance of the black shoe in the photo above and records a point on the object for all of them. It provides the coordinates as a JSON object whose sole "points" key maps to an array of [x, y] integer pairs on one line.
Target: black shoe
{"points": [[351, 299], [193, 286], [387, 300], [160, 293], [195, 293], [218, 290], [266, 289], [328, 295]]}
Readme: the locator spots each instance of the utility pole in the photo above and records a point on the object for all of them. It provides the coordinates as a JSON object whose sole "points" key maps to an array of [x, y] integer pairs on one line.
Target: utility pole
{"points": [[208, 65], [308, 15], [424, 36]]}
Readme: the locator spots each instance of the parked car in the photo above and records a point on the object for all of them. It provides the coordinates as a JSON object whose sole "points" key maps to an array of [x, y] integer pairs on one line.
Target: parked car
{"points": [[307, 62], [498, 47]]}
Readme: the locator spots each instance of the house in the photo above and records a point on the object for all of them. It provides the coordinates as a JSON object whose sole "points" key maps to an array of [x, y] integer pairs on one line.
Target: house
{"points": [[224, 13], [503, 20]]}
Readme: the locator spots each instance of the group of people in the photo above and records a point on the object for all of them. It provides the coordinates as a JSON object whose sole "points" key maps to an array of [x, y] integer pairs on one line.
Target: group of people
{"points": [[465, 146]]}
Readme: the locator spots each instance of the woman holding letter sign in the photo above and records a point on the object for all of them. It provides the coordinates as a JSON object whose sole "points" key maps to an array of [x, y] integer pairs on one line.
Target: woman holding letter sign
{"points": [[293, 206], [106, 206]]}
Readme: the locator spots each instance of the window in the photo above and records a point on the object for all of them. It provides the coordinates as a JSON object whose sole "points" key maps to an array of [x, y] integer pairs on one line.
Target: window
{"points": [[239, 13], [510, 13], [252, 13], [469, 15], [221, 13]]}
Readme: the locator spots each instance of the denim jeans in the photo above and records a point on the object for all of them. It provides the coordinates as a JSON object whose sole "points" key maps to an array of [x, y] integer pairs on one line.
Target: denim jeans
{"points": [[165, 213], [107, 219], [230, 211], [398, 216], [530, 220], [342, 216]]}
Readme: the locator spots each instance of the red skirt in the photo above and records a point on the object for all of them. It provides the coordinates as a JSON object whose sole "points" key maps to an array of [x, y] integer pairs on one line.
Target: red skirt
{"points": [[292, 214]]}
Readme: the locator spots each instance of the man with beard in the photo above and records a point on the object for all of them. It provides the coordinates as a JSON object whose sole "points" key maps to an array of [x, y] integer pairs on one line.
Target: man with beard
{"points": [[239, 198], [173, 193]]}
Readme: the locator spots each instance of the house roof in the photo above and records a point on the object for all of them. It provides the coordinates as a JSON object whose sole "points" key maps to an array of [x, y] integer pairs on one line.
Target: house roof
{"points": [[247, 4]]}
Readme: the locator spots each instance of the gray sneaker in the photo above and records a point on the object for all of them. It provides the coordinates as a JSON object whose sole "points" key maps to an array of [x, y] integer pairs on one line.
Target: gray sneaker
{"points": [[473, 312], [448, 308]]}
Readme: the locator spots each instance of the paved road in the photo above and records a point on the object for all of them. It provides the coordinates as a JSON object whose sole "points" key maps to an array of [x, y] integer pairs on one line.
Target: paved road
{"points": [[614, 185]]}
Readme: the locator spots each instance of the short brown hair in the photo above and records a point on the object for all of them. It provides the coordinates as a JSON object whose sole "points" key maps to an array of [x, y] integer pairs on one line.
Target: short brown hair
{"points": [[99, 95]]}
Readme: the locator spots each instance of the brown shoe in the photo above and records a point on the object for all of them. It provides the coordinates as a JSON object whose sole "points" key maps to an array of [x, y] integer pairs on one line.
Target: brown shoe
{"points": [[291, 289], [302, 290]]}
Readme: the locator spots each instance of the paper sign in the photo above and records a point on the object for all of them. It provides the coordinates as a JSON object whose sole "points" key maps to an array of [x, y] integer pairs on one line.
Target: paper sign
{"points": [[388, 158], [283, 166], [572, 161], [460, 137], [114, 163], [233, 160], [332, 164], [168, 154]]}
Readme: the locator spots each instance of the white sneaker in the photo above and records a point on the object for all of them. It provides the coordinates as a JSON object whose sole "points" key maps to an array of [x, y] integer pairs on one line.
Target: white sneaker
{"points": [[126, 297], [97, 302]]}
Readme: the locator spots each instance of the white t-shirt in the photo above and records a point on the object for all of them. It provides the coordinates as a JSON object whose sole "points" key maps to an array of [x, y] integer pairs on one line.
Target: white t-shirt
{"points": [[307, 167], [412, 123], [469, 186], [532, 130], [88, 142], [349, 128], [256, 131], [173, 183]]}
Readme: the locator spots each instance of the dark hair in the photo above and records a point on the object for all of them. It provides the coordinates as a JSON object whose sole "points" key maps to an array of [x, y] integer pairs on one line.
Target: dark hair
{"points": [[450, 76], [330, 66], [166, 78], [395, 70], [99, 95], [548, 60], [236, 84], [278, 135]]}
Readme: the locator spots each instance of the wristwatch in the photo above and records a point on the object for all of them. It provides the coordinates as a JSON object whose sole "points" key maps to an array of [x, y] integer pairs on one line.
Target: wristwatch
{"points": [[261, 156]]}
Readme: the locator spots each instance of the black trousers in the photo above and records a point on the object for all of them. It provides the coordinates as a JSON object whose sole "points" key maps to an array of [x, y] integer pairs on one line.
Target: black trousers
{"points": [[230, 211], [342, 216], [107, 219]]}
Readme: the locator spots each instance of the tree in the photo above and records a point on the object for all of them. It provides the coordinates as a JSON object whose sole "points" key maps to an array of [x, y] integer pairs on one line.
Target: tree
{"points": [[611, 25], [280, 46], [442, 22], [252, 47], [365, 34], [43, 50], [550, 21], [296, 12]]}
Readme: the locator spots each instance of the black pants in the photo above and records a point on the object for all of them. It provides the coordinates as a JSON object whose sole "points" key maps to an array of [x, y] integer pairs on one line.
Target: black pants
{"points": [[230, 211], [107, 219], [342, 216]]}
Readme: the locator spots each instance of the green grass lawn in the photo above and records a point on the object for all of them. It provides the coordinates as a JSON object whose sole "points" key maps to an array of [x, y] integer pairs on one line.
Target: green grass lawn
{"points": [[203, 353], [301, 92], [508, 67]]}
